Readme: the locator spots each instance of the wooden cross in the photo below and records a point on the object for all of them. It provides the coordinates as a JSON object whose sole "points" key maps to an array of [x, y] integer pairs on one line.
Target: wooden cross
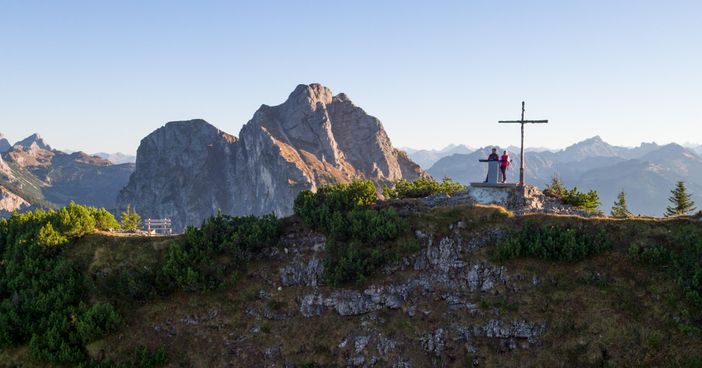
{"points": [[521, 156]]}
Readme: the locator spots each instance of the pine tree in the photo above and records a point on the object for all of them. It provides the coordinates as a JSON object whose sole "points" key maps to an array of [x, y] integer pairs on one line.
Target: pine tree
{"points": [[681, 200], [556, 189], [620, 208], [130, 219]]}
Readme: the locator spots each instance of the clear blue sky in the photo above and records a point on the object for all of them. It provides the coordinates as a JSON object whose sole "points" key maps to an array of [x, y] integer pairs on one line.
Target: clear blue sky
{"points": [[101, 75]]}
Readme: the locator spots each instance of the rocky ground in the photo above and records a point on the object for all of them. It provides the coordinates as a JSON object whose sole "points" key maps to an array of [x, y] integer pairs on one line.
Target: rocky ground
{"points": [[521, 201]]}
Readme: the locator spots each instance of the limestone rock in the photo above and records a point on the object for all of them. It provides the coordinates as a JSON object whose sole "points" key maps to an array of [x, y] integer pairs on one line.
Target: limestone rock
{"points": [[183, 172], [10, 202], [301, 273], [188, 170]]}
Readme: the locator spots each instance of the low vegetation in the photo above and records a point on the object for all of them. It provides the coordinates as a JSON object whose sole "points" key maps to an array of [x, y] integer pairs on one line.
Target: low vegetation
{"points": [[559, 243], [43, 294], [682, 260], [66, 292], [420, 188], [589, 202], [51, 304], [192, 264], [131, 220], [360, 237]]}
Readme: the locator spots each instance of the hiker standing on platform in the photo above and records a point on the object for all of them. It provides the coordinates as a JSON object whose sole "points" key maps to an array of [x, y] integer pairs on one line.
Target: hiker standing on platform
{"points": [[505, 161], [493, 157]]}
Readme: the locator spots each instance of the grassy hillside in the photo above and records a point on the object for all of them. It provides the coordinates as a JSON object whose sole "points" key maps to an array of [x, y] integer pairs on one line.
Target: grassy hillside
{"points": [[448, 287]]}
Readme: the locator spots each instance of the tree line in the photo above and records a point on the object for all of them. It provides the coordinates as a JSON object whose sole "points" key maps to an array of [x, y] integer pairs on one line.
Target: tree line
{"points": [[681, 203]]}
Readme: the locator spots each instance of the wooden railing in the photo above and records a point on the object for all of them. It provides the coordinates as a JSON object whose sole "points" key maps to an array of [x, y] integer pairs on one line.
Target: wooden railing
{"points": [[158, 226]]}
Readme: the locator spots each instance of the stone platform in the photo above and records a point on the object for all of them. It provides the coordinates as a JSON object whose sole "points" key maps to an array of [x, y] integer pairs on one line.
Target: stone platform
{"points": [[508, 195], [493, 185]]}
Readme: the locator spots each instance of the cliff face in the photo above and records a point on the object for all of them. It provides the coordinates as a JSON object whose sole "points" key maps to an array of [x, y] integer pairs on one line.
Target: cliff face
{"points": [[188, 170], [183, 170]]}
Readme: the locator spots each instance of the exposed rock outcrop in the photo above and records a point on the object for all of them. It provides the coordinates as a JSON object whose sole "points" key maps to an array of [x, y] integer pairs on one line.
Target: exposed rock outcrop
{"points": [[519, 200], [188, 170], [10, 202]]}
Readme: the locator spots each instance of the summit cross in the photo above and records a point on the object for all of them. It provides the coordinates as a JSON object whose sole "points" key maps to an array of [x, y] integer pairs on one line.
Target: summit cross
{"points": [[521, 156]]}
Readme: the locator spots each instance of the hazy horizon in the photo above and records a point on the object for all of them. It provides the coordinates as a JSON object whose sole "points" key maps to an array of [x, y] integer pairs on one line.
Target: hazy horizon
{"points": [[101, 76]]}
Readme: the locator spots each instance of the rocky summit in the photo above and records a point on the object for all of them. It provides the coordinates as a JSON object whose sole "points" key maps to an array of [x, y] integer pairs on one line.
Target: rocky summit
{"points": [[188, 170], [4, 144]]}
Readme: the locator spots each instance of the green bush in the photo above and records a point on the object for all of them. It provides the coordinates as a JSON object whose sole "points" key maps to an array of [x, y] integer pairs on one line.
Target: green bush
{"points": [[560, 243], [41, 292], [320, 210], [360, 237], [589, 201], [556, 188], [420, 188], [97, 321], [371, 225], [141, 357], [687, 266], [191, 264], [650, 255], [130, 283], [683, 262], [130, 220], [104, 220]]}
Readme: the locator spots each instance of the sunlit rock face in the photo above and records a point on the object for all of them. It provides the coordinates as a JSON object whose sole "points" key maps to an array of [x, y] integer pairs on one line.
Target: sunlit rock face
{"points": [[188, 170]]}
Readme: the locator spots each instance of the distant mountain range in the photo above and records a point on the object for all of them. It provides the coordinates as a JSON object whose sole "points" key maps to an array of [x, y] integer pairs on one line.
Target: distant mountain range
{"points": [[646, 173], [117, 158], [426, 158], [188, 170], [32, 174]]}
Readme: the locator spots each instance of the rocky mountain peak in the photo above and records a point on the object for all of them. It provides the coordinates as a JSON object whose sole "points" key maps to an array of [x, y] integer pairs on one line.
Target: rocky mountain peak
{"points": [[4, 144], [34, 141], [311, 94], [189, 170]]}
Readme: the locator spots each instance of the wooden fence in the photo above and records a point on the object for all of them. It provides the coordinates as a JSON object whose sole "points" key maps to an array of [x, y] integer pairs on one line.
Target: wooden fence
{"points": [[158, 226]]}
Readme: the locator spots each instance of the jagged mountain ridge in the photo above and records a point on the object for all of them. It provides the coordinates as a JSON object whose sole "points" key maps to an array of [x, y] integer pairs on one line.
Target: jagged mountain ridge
{"points": [[427, 157], [646, 173], [188, 170], [117, 157], [43, 177]]}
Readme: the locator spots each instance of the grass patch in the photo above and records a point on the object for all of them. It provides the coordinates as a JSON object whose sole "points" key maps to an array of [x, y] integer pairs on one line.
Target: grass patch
{"points": [[559, 243]]}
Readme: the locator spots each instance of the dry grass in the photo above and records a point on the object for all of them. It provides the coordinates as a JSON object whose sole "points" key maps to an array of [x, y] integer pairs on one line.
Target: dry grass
{"points": [[602, 311]]}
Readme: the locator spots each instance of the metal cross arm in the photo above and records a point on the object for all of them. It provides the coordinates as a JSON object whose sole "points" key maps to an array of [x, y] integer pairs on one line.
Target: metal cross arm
{"points": [[523, 122], [521, 156]]}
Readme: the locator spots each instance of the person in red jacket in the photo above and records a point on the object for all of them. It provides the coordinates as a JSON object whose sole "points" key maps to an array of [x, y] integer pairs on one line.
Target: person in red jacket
{"points": [[505, 161]]}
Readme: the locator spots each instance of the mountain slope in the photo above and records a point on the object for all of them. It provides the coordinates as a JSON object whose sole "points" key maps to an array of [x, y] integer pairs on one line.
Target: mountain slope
{"points": [[117, 158], [426, 158], [4, 144], [189, 170], [446, 304], [182, 171], [44, 177], [10, 202]]}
